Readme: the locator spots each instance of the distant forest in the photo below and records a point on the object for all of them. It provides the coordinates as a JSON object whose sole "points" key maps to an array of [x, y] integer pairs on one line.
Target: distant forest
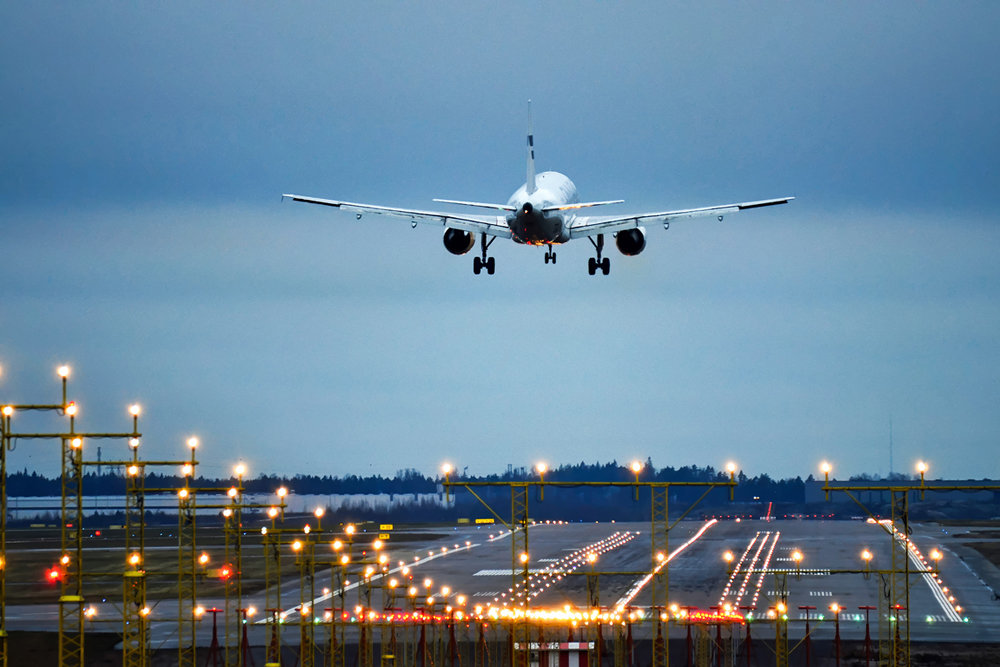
{"points": [[112, 481], [573, 503], [753, 496]]}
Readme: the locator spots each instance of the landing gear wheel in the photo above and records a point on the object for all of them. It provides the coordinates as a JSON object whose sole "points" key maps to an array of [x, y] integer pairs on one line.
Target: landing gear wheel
{"points": [[479, 263], [546, 258], [595, 263], [550, 254]]}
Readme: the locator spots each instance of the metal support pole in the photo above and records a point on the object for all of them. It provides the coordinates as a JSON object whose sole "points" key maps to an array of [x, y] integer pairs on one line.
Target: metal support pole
{"points": [[233, 528], [5, 415], [660, 583], [187, 595], [134, 610], [71, 598], [520, 559]]}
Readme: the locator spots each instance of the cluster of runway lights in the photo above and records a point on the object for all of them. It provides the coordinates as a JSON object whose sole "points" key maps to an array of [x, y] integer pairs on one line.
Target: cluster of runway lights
{"points": [[751, 568], [935, 554], [557, 570], [554, 572]]}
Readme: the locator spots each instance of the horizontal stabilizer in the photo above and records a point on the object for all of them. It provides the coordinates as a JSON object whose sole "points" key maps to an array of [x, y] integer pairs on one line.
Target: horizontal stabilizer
{"points": [[567, 207], [498, 207]]}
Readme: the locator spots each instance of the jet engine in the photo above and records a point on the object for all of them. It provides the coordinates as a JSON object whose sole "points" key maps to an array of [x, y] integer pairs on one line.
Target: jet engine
{"points": [[631, 241], [458, 242]]}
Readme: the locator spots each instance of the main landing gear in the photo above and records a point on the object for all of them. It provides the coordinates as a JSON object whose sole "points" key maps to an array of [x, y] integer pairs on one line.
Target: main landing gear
{"points": [[595, 263], [479, 263], [550, 254]]}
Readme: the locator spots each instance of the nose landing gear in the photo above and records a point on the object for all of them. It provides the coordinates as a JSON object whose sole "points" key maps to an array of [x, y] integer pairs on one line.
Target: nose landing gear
{"points": [[550, 254], [479, 263], [595, 263]]}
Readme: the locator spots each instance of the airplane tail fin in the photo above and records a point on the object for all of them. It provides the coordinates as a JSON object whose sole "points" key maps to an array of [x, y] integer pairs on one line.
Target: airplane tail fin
{"points": [[530, 181]]}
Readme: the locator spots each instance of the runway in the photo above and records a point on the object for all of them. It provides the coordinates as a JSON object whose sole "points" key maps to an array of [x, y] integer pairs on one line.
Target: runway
{"points": [[469, 569]]}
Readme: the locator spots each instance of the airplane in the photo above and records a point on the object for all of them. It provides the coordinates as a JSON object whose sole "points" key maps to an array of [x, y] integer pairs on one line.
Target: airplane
{"points": [[543, 211]]}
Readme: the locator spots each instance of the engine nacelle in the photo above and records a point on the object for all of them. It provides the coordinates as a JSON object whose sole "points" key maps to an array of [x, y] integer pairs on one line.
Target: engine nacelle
{"points": [[458, 242], [631, 241]]}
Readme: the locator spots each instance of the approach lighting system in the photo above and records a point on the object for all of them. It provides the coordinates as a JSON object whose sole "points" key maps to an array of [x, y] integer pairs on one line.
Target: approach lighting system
{"points": [[71, 409], [63, 371], [134, 409], [192, 442], [8, 410]]}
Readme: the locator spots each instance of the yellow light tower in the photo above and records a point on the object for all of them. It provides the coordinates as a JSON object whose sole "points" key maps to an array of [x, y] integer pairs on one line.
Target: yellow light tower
{"points": [[188, 563], [233, 587], [729, 557], [636, 468], [922, 469], [797, 559], [867, 556], [446, 470], [6, 412]]}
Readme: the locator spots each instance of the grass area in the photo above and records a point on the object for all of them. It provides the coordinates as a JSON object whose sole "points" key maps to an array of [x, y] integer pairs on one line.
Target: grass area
{"points": [[990, 550]]}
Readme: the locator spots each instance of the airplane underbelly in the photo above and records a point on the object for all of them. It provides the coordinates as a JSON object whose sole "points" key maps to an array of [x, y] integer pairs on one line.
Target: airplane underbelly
{"points": [[538, 229]]}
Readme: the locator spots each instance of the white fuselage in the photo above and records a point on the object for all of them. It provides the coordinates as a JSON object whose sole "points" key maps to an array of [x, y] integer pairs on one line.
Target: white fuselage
{"points": [[530, 222]]}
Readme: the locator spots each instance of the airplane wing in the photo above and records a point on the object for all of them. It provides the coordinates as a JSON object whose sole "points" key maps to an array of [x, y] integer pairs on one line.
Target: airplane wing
{"points": [[492, 225], [605, 224]]}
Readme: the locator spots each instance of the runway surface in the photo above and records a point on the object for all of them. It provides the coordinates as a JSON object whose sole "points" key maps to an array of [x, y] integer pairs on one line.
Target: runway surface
{"points": [[469, 566]]}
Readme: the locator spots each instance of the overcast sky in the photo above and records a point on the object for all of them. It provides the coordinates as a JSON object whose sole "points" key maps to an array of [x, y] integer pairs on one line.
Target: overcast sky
{"points": [[143, 241]]}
